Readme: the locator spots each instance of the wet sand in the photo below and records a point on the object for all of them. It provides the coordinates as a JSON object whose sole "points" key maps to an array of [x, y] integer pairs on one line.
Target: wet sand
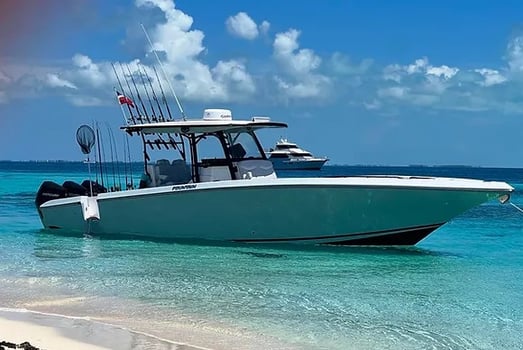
{"points": [[50, 332]]}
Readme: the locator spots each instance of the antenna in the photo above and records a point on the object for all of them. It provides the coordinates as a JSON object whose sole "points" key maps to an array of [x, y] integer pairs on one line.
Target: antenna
{"points": [[163, 71]]}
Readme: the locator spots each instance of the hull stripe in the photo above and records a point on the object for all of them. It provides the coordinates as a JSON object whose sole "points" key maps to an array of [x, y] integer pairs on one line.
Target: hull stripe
{"points": [[408, 234]]}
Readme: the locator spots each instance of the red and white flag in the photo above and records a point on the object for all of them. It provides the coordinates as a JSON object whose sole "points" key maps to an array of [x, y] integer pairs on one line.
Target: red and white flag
{"points": [[122, 99]]}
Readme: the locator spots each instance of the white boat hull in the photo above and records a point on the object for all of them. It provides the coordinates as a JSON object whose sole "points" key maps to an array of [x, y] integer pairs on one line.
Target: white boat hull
{"points": [[298, 164], [359, 210]]}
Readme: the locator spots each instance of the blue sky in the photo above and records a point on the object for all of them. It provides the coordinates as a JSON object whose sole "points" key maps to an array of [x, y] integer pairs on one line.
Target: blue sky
{"points": [[363, 82]]}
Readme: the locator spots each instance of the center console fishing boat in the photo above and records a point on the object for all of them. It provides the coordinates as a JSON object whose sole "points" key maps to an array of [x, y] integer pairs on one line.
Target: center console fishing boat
{"points": [[219, 185]]}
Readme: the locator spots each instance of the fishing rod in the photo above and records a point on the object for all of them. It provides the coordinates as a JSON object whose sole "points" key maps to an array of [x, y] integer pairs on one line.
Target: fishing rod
{"points": [[162, 118], [95, 157], [138, 93], [165, 74], [123, 92], [129, 157], [113, 187], [125, 164], [113, 143], [147, 94], [131, 92], [143, 106], [163, 94], [102, 159]]}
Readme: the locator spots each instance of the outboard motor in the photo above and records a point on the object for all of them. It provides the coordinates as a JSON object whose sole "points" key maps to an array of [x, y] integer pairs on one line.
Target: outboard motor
{"points": [[49, 190], [97, 188], [74, 189]]}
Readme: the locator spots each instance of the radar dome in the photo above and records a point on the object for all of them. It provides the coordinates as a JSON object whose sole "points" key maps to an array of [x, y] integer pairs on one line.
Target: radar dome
{"points": [[217, 114]]}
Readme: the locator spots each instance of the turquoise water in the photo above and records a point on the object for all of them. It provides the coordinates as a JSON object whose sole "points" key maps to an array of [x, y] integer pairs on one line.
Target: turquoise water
{"points": [[461, 288]]}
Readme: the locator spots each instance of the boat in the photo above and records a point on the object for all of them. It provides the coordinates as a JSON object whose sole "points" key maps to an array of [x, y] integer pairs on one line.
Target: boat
{"points": [[219, 185], [288, 156]]}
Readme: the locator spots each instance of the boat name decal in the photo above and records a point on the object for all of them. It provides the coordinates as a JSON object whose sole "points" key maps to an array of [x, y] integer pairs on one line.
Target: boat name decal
{"points": [[183, 187]]}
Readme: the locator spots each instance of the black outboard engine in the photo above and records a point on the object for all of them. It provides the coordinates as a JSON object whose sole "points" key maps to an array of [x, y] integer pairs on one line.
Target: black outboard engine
{"points": [[97, 188], [49, 190], [74, 189]]}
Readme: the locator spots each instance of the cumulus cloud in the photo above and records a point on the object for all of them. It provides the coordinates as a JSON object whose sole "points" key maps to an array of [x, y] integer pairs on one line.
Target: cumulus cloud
{"points": [[290, 73], [300, 66], [182, 47], [54, 80], [233, 74], [515, 54], [264, 27], [491, 76], [341, 64], [242, 26], [397, 73]]}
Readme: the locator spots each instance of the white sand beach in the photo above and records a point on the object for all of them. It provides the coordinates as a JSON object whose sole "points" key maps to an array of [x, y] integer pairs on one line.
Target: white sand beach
{"points": [[48, 332]]}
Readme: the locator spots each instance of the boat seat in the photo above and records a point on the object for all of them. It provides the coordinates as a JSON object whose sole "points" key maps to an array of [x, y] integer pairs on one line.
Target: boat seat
{"points": [[250, 168], [163, 162], [181, 174], [237, 151], [172, 174]]}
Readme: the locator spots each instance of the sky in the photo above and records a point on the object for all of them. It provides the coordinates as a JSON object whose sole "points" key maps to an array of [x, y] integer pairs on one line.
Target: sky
{"points": [[362, 82]]}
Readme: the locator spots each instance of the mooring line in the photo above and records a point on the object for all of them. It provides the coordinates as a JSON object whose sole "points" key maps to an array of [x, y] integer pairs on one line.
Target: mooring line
{"points": [[515, 206]]}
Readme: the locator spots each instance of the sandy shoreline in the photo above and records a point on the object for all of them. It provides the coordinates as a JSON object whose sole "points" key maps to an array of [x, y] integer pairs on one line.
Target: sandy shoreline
{"points": [[53, 332]]}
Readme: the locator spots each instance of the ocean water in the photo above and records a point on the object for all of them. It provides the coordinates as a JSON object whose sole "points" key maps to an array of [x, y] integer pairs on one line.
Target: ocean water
{"points": [[460, 288]]}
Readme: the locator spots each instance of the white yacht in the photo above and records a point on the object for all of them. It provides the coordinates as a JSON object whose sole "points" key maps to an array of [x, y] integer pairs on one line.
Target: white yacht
{"points": [[234, 194], [288, 156]]}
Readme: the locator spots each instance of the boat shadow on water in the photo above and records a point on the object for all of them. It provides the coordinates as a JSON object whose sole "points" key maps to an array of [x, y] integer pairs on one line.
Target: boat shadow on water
{"points": [[256, 250]]}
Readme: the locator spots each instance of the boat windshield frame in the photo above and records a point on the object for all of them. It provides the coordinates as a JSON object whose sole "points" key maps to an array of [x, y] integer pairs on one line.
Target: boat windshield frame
{"points": [[186, 135]]}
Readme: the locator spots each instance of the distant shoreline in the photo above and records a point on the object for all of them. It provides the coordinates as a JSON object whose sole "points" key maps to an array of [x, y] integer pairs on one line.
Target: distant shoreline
{"points": [[458, 166]]}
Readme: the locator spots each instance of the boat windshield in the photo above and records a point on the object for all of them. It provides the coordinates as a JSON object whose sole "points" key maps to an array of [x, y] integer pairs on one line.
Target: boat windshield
{"points": [[285, 146], [246, 141]]}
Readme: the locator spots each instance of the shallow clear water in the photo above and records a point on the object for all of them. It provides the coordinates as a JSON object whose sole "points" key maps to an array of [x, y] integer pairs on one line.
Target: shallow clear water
{"points": [[460, 288]]}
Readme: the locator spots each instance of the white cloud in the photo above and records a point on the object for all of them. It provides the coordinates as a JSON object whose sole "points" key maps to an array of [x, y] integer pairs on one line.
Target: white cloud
{"points": [[492, 76], [442, 71], [54, 80], [395, 92], [295, 61], [242, 26], [373, 105], [95, 74], [264, 27], [233, 74], [515, 54], [299, 66], [341, 64], [421, 66], [182, 46], [86, 101], [293, 73]]}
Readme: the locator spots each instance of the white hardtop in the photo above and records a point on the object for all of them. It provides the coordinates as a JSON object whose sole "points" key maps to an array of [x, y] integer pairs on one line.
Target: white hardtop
{"points": [[213, 120]]}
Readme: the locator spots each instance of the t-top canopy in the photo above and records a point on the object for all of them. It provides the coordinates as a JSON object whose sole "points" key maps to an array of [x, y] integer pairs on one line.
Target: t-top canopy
{"points": [[197, 126]]}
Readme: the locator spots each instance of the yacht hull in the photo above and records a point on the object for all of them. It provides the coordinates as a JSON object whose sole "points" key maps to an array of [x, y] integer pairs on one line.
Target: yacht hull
{"points": [[343, 211], [298, 164]]}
